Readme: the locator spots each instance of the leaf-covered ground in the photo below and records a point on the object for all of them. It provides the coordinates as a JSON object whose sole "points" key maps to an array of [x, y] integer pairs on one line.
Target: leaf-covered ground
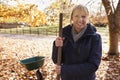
{"points": [[16, 47]]}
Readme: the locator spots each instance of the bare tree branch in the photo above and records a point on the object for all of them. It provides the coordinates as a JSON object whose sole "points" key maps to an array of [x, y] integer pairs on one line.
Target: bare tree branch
{"points": [[90, 1], [118, 8], [113, 5], [117, 15], [108, 7]]}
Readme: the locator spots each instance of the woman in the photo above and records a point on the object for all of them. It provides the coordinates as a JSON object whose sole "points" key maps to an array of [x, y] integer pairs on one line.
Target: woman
{"points": [[81, 48]]}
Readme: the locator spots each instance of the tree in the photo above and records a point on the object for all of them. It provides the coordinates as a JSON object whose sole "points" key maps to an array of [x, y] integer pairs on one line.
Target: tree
{"points": [[113, 15], [23, 13], [54, 9]]}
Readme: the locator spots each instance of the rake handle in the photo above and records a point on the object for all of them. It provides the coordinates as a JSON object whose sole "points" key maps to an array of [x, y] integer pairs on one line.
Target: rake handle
{"points": [[59, 48]]}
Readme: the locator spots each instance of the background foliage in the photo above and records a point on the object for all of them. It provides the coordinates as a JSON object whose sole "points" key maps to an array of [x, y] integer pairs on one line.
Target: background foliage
{"points": [[27, 13], [31, 15]]}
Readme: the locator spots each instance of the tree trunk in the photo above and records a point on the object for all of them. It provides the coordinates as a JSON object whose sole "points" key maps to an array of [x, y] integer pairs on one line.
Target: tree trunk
{"points": [[113, 27], [117, 16], [113, 41]]}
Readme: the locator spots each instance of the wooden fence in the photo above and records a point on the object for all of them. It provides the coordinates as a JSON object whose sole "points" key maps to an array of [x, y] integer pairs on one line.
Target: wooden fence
{"points": [[30, 30]]}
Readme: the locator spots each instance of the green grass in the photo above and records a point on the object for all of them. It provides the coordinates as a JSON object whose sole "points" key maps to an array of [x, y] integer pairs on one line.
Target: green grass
{"points": [[43, 30]]}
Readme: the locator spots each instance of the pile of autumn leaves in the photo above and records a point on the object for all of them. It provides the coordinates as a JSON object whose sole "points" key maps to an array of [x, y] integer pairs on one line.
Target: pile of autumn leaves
{"points": [[11, 69]]}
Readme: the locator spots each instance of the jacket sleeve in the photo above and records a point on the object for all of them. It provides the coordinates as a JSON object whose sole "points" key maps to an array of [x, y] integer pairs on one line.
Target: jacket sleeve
{"points": [[54, 53], [91, 65]]}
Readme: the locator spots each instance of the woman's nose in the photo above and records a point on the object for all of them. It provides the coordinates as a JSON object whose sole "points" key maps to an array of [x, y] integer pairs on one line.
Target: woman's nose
{"points": [[81, 19]]}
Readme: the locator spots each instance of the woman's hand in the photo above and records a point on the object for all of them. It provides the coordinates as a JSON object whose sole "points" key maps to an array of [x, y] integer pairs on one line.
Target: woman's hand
{"points": [[59, 42], [58, 69]]}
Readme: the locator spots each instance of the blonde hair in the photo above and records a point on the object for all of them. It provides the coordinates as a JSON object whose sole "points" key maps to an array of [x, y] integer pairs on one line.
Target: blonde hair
{"points": [[80, 7]]}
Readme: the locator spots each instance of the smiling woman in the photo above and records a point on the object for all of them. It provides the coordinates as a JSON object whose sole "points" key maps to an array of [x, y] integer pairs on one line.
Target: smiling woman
{"points": [[79, 18], [81, 48]]}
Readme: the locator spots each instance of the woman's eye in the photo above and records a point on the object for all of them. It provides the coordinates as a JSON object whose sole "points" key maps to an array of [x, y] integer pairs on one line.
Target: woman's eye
{"points": [[76, 16], [83, 16], [80, 16]]}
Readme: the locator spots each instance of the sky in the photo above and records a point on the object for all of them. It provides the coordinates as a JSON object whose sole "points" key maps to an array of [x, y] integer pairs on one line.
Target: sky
{"points": [[42, 4], [92, 5]]}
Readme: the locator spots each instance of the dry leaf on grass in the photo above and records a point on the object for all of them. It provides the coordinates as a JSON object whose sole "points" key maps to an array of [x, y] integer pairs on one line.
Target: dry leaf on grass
{"points": [[11, 69]]}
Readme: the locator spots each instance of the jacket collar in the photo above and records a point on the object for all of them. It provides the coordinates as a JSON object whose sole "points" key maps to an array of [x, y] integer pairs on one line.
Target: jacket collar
{"points": [[89, 31]]}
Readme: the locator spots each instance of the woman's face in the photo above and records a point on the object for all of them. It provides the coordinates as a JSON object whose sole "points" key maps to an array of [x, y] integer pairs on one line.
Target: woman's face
{"points": [[79, 20]]}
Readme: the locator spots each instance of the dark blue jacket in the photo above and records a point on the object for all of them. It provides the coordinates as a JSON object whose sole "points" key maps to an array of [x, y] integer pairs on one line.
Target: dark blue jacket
{"points": [[80, 59]]}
